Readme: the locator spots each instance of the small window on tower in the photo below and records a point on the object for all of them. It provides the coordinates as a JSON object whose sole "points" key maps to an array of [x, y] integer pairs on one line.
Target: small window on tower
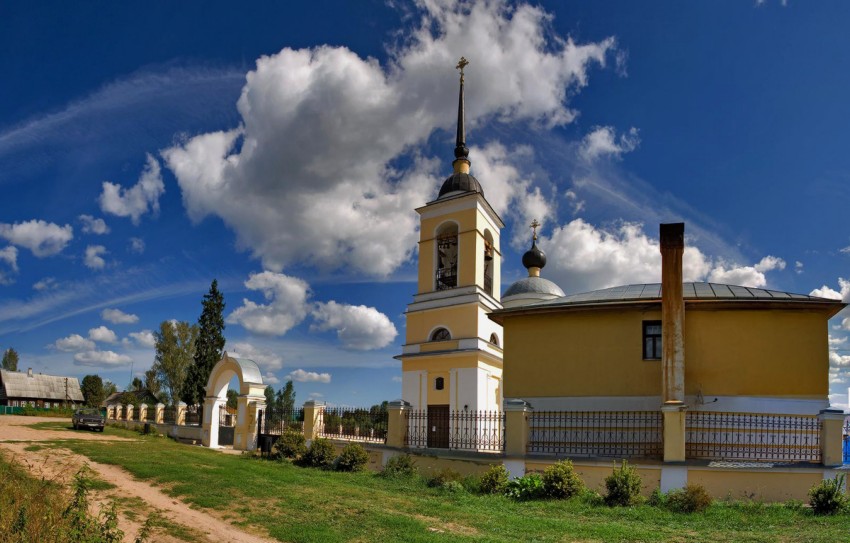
{"points": [[446, 273], [439, 383], [494, 339], [652, 340], [441, 334]]}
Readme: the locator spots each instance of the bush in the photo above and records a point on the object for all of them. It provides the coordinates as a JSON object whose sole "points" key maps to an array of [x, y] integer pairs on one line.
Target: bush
{"points": [[444, 476], [623, 486], [353, 458], [561, 481], [529, 487], [657, 498], [691, 499], [291, 444], [455, 487], [494, 480], [321, 454], [828, 497], [398, 466], [591, 497]]}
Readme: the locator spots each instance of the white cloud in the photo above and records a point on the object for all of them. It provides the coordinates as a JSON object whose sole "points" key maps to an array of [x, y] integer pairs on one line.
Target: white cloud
{"points": [[287, 305], [603, 142], [92, 225], [838, 361], [137, 245], [103, 335], [845, 250], [40, 237], [396, 379], [116, 316], [264, 358], [315, 395], [576, 203], [270, 379], [300, 154], [748, 276], [357, 326], [48, 283], [9, 256], [798, 267], [828, 292], [93, 259], [144, 338], [845, 323], [138, 199], [74, 343], [302, 376], [101, 359]]}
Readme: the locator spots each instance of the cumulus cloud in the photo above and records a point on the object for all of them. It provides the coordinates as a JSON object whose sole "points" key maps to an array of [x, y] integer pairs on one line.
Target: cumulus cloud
{"points": [[838, 361], [357, 326], [41, 237], [585, 257], [103, 335], [101, 359], [93, 225], [302, 376], [270, 379], [287, 305], [798, 267], [826, 291], [116, 316], [9, 256], [48, 283], [93, 259], [299, 152], [137, 246], [74, 343], [604, 142], [144, 338], [264, 358], [138, 199], [845, 250]]}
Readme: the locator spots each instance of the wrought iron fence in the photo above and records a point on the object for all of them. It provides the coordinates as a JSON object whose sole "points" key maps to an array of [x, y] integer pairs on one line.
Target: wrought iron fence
{"points": [[194, 414], [150, 413], [459, 430], [619, 434], [169, 415], [137, 413], [745, 436], [275, 421], [354, 423], [124, 412], [846, 441]]}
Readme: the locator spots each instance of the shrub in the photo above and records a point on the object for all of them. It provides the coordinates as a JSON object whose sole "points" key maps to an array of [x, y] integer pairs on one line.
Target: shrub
{"points": [[444, 476], [401, 465], [353, 458], [321, 453], [657, 498], [455, 487], [691, 499], [494, 480], [561, 481], [291, 444], [591, 497], [828, 497], [623, 486], [529, 487]]}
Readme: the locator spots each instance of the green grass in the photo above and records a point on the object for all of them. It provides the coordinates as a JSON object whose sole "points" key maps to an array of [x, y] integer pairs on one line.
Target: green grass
{"points": [[308, 505], [66, 425]]}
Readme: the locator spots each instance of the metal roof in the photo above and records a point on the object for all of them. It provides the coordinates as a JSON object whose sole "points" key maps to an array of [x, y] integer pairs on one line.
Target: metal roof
{"points": [[533, 285], [15, 384]]}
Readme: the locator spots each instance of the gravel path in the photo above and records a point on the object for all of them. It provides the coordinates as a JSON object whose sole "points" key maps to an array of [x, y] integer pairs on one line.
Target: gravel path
{"points": [[61, 464]]}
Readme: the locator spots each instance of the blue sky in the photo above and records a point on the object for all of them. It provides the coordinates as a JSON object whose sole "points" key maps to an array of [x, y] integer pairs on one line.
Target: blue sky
{"points": [[147, 148]]}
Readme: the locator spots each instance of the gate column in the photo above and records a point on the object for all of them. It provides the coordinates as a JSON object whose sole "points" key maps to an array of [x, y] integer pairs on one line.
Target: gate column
{"points": [[248, 404]]}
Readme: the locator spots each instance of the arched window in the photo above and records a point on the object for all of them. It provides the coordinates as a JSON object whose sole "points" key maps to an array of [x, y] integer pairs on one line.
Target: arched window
{"points": [[494, 339], [489, 255], [439, 383], [441, 334], [446, 274]]}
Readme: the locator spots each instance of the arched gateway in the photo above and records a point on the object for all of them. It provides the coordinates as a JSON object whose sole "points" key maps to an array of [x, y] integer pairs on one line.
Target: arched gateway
{"points": [[250, 401]]}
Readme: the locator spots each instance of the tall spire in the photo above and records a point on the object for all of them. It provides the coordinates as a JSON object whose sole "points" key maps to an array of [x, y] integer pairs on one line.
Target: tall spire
{"points": [[461, 162]]}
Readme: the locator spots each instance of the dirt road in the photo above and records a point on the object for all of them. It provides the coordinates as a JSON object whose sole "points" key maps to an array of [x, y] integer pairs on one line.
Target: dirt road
{"points": [[136, 499]]}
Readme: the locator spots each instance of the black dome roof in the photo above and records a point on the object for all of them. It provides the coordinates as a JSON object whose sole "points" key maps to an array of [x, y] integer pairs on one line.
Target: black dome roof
{"points": [[534, 257], [460, 182]]}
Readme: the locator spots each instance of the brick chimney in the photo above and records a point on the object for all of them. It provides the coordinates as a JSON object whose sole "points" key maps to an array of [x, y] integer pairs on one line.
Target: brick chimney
{"points": [[29, 372], [672, 313]]}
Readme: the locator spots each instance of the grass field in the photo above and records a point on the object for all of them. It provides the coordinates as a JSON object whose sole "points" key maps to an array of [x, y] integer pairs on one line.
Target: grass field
{"points": [[308, 505]]}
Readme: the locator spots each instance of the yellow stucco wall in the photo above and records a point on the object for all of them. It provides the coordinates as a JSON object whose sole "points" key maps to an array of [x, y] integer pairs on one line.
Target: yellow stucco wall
{"points": [[593, 474], [768, 486], [461, 321], [781, 353], [447, 362]]}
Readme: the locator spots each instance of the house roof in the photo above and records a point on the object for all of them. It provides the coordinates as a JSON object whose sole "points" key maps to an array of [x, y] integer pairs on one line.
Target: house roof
{"points": [[16, 384], [132, 396], [691, 292]]}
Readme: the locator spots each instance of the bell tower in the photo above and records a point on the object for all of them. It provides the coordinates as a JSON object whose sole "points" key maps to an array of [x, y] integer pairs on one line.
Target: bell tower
{"points": [[452, 357]]}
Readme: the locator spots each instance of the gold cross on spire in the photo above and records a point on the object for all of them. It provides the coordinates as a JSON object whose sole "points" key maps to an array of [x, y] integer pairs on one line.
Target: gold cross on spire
{"points": [[462, 63], [534, 226]]}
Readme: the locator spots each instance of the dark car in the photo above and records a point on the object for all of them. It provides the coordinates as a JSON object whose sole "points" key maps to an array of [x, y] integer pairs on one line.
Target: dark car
{"points": [[88, 418]]}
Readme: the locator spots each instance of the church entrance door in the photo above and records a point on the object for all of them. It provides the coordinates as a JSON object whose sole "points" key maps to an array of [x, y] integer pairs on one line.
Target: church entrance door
{"points": [[438, 426]]}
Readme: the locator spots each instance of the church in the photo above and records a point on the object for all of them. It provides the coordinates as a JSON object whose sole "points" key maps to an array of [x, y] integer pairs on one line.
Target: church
{"points": [[670, 349]]}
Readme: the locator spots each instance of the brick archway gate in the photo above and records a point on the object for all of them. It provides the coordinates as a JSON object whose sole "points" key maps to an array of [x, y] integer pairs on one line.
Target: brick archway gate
{"points": [[250, 401]]}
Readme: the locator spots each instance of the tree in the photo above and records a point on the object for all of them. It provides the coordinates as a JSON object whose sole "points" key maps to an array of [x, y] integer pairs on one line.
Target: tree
{"points": [[209, 347], [93, 391], [109, 388], [153, 383], [136, 385], [175, 347], [10, 360], [232, 396], [269, 392], [286, 397]]}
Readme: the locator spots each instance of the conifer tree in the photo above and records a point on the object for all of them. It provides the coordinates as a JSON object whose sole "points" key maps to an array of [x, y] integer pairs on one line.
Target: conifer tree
{"points": [[10, 360], [208, 348]]}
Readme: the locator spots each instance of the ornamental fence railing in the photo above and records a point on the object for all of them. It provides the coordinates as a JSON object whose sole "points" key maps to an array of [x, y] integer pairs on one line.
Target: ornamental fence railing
{"points": [[846, 441], [194, 415], [353, 424], [440, 428], [745, 436], [275, 421], [620, 434], [150, 414], [169, 415]]}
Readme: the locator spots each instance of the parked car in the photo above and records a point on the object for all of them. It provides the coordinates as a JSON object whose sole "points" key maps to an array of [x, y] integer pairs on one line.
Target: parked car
{"points": [[88, 418]]}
